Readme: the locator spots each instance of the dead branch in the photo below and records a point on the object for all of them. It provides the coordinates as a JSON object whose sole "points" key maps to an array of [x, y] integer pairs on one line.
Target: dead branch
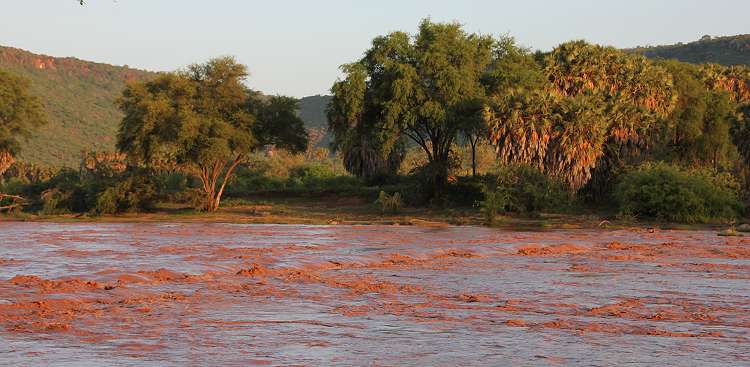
{"points": [[16, 202]]}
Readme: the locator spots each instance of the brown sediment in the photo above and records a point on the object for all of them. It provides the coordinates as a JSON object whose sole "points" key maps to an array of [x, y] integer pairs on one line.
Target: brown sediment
{"points": [[621, 329], [254, 271], [163, 275], [553, 250], [69, 285], [620, 309], [472, 298], [516, 323], [396, 259], [9, 262], [456, 253]]}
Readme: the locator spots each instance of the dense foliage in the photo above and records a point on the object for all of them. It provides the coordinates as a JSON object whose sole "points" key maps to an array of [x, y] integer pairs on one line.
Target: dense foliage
{"points": [[596, 106], [423, 88], [665, 192], [524, 189], [441, 117], [204, 121]]}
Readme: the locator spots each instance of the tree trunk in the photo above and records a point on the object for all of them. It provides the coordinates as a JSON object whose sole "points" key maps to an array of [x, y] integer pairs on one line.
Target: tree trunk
{"points": [[440, 173], [230, 171], [473, 157], [210, 177]]}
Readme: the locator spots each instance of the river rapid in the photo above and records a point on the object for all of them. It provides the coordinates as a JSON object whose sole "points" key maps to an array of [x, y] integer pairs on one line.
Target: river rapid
{"points": [[236, 295]]}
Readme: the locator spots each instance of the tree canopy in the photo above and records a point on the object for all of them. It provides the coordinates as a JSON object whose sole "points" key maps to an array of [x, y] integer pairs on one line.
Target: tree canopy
{"points": [[412, 87], [595, 102], [203, 119], [278, 123]]}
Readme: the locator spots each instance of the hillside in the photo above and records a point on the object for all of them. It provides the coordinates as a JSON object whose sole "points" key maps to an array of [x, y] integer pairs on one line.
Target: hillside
{"points": [[79, 101], [312, 110], [730, 50], [79, 98]]}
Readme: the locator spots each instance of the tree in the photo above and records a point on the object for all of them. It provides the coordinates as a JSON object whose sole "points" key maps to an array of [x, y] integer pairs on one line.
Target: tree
{"points": [[595, 108], [204, 121], [741, 131], [354, 134], [675, 138], [513, 70], [698, 132], [412, 87], [474, 131], [278, 123], [20, 113], [732, 79], [715, 143], [198, 117]]}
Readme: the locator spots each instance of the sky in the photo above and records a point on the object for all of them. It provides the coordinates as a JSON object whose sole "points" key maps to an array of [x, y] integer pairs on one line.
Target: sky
{"points": [[296, 47]]}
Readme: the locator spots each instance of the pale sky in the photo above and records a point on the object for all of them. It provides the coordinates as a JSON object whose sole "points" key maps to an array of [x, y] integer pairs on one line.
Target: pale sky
{"points": [[295, 47]]}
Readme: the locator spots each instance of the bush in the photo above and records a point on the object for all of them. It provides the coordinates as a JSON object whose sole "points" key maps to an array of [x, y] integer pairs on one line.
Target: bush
{"points": [[66, 192], [467, 191], [252, 180], [389, 203], [53, 202], [666, 192], [525, 190], [136, 193], [311, 176]]}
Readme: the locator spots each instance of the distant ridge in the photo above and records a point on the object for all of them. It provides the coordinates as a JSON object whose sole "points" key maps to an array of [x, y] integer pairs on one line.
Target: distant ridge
{"points": [[729, 50], [79, 98]]}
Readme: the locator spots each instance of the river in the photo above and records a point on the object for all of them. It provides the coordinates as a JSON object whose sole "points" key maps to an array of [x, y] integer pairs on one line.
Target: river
{"points": [[162, 294]]}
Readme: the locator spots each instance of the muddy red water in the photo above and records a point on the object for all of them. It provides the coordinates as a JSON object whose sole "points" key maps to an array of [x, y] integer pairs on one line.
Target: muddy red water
{"points": [[221, 294]]}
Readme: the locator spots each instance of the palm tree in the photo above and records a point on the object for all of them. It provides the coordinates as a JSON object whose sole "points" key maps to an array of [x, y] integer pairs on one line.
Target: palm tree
{"points": [[363, 158], [520, 124], [577, 140], [6, 160], [598, 100], [734, 79]]}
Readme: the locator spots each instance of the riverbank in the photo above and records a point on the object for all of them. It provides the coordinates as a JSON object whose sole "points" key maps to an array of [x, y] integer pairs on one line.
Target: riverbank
{"points": [[332, 210]]}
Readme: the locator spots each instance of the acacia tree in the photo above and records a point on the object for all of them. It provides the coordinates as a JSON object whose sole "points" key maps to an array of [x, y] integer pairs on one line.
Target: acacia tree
{"points": [[20, 113], [202, 120], [412, 87]]}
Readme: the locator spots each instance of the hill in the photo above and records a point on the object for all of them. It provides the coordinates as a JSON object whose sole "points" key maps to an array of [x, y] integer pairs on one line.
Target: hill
{"points": [[730, 50], [79, 99], [312, 110]]}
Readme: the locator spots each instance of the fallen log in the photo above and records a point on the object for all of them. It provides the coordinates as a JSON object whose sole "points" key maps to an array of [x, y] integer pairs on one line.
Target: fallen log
{"points": [[15, 202]]}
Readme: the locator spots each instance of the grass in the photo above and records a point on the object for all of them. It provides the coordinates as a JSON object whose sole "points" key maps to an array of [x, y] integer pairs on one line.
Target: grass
{"points": [[335, 209]]}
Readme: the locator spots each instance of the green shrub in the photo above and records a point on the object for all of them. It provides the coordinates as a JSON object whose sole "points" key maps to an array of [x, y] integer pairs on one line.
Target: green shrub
{"points": [[250, 180], [52, 202], [304, 177], [66, 192], [389, 203], [467, 191], [666, 192], [525, 190], [135, 193]]}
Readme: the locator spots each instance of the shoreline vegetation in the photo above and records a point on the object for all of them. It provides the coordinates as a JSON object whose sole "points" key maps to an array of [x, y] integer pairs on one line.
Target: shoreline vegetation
{"points": [[333, 210], [433, 128]]}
